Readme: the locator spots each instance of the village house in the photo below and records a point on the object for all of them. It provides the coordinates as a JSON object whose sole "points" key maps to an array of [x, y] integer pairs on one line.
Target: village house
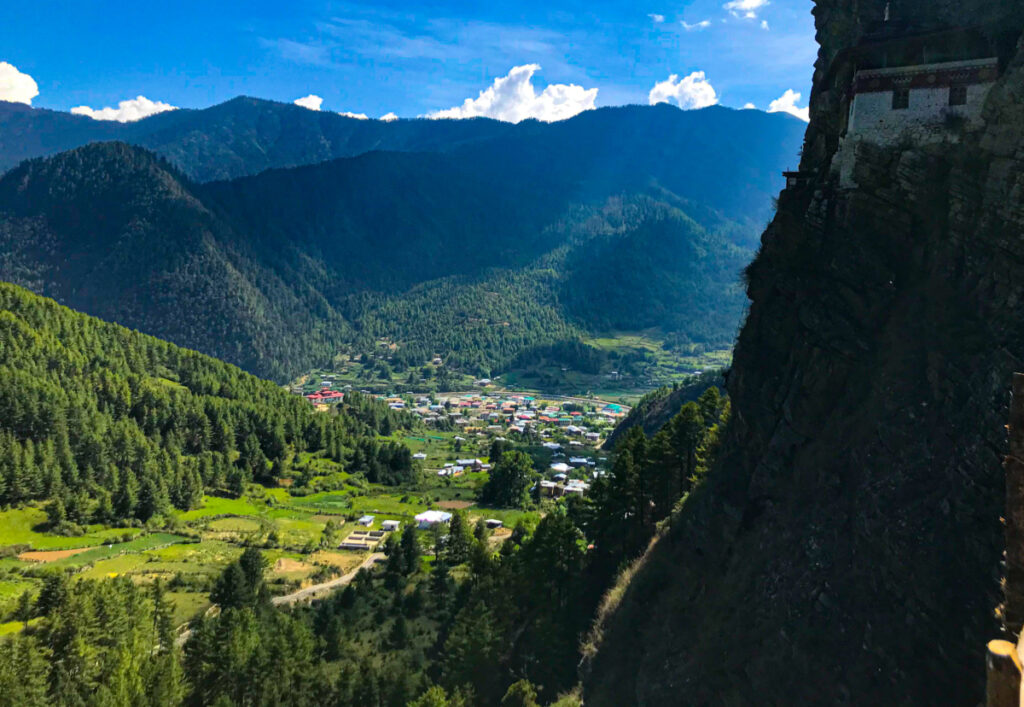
{"points": [[428, 519], [549, 489], [325, 396]]}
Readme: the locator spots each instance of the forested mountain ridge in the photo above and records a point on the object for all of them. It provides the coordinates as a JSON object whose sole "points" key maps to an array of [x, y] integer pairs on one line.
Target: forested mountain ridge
{"points": [[245, 136], [112, 230], [485, 250], [113, 426], [240, 137]]}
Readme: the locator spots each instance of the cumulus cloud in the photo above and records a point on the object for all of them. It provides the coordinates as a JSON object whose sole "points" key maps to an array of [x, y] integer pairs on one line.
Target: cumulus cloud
{"points": [[786, 103], [127, 111], [357, 116], [16, 87], [703, 24], [512, 98], [388, 117], [749, 106], [688, 93], [745, 8], [764, 24], [312, 102], [657, 19]]}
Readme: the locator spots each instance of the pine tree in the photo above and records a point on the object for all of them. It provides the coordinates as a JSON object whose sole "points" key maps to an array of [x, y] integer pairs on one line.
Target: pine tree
{"points": [[440, 580], [164, 678], [253, 565], [23, 673], [459, 539], [399, 634], [410, 548], [471, 652], [232, 591], [56, 512], [25, 610]]}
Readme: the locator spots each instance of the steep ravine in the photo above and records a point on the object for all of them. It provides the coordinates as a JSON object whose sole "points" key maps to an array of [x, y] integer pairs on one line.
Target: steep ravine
{"points": [[846, 548]]}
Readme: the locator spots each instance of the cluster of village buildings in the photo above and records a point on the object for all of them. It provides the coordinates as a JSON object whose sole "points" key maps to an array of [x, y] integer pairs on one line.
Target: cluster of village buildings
{"points": [[570, 434], [511, 412], [487, 414]]}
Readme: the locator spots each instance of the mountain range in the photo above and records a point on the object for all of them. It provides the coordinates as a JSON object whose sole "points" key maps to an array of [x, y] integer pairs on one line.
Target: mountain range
{"points": [[475, 238]]}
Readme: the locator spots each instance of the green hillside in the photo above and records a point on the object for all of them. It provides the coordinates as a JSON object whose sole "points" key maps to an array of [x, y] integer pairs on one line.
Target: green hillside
{"points": [[483, 253], [114, 426]]}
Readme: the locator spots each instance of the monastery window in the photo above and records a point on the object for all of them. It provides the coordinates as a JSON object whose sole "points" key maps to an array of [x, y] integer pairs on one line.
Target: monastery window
{"points": [[958, 95], [901, 99]]}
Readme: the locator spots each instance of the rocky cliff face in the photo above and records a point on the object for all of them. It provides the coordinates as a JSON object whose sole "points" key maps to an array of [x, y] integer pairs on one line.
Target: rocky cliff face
{"points": [[846, 550]]}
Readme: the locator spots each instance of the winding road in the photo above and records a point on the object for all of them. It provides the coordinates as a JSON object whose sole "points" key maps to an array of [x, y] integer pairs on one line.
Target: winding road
{"points": [[312, 592], [326, 587]]}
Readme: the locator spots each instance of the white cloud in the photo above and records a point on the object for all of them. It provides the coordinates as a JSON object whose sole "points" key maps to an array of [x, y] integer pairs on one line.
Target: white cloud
{"points": [[703, 24], [15, 86], [764, 25], [786, 103], [745, 8], [691, 92], [388, 117], [512, 98], [357, 116], [749, 106], [127, 111], [312, 102], [657, 19]]}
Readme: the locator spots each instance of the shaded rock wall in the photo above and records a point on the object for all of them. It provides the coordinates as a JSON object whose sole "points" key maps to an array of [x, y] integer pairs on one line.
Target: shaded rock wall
{"points": [[846, 550]]}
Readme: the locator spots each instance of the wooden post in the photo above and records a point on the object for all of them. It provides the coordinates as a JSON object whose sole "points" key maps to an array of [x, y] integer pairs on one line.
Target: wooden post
{"points": [[1002, 668], [1014, 467]]}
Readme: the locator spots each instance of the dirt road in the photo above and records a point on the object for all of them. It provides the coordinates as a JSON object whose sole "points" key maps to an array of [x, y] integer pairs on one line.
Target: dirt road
{"points": [[326, 587], [313, 592]]}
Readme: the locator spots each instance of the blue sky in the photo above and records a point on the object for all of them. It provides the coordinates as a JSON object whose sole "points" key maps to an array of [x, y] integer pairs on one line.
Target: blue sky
{"points": [[404, 57]]}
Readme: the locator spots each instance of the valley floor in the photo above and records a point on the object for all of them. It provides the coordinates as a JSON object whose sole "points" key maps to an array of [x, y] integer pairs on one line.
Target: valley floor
{"points": [[301, 529]]}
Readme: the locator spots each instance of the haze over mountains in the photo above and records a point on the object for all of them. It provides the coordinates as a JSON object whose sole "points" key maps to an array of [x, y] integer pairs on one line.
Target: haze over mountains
{"points": [[245, 136], [476, 237]]}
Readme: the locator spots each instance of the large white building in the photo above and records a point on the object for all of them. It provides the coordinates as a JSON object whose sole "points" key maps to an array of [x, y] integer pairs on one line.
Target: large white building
{"points": [[904, 87], [891, 104], [428, 519]]}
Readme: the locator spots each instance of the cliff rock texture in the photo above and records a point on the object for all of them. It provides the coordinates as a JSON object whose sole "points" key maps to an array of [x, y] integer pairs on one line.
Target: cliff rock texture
{"points": [[847, 547]]}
